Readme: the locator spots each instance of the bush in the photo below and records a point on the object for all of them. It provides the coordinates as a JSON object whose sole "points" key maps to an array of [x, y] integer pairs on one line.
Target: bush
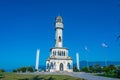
{"points": [[105, 69], [30, 69], [111, 71], [75, 69], [14, 70], [2, 70], [117, 73], [91, 69], [85, 69], [97, 68], [24, 69]]}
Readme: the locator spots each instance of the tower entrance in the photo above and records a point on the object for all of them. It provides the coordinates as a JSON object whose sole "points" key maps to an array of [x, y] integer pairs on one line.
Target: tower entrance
{"points": [[61, 67]]}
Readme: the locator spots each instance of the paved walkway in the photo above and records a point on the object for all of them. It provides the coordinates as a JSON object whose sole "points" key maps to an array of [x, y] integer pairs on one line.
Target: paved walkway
{"points": [[90, 76], [87, 76]]}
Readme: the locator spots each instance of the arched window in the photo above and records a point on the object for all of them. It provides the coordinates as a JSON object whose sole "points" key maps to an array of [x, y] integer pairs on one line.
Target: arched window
{"points": [[60, 53], [53, 52], [54, 65], [64, 53], [51, 65], [60, 39], [61, 67], [48, 66], [68, 65]]}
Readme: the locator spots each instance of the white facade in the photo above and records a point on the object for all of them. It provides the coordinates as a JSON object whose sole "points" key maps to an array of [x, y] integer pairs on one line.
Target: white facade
{"points": [[59, 59]]}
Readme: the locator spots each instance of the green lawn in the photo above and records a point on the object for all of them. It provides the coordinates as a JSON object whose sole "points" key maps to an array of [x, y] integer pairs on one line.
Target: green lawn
{"points": [[107, 75], [14, 76]]}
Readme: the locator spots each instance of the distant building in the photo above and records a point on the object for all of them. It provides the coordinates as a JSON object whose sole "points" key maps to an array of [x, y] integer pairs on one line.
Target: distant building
{"points": [[59, 59]]}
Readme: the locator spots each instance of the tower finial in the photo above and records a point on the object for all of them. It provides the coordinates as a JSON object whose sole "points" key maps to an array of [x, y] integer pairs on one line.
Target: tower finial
{"points": [[58, 19]]}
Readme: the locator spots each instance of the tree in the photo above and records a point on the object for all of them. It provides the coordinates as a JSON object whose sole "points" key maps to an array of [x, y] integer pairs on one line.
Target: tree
{"points": [[23, 69], [2, 70], [30, 69], [111, 67], [18, 70], [117, 73], [85, 69], [75, 69], [91, 69], [105, 69], [14, 70], [97, 68]]}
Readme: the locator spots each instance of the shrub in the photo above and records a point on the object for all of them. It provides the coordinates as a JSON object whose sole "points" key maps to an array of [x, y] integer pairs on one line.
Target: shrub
{"points": [[30, 69], [97, 68], [75, 69], [117, 73], [85, 69], [2, 70], [14, 70], [91, 69], [23, 69]]}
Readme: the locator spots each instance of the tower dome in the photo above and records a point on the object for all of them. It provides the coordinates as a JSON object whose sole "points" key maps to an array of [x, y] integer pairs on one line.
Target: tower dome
{"points": [[58, 19]]}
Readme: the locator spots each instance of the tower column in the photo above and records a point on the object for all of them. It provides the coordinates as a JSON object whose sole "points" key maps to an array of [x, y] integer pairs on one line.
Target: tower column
{"points": [[59, 38], [77, 59], [37, 59], [59, 29]]}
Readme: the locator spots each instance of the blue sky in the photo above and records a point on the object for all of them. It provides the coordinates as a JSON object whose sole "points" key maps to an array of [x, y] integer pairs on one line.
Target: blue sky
{"points": [[26, 25]]}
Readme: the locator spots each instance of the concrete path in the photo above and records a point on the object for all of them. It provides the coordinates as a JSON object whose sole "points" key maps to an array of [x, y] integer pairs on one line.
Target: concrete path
{"points": [[87, 76]]}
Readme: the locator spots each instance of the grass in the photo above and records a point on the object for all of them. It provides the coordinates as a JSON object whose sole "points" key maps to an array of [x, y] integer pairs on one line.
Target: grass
{"points": [[14, 76], [107, 75]]}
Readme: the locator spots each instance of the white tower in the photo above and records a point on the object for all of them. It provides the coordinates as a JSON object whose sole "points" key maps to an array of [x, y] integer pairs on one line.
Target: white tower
{"points": [[59, 59], [77, 59], [59, 28], [37, 59]]}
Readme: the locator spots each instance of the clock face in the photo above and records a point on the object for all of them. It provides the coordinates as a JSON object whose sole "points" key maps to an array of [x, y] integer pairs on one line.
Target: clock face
{"points": [[59, 25]]}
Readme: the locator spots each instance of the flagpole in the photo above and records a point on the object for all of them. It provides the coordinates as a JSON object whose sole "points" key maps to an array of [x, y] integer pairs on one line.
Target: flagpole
{"points": [[105, 59], [105, 46], [87, 61], [87, 57], [105, 62]]}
